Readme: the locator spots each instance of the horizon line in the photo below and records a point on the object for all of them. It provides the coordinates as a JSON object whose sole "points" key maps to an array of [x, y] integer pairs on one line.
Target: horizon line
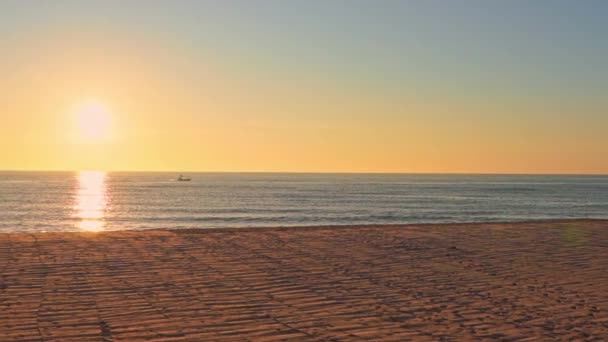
{"points": [[324, 172]]}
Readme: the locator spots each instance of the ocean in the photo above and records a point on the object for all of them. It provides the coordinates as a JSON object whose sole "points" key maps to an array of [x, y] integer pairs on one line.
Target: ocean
{"points": [[98, 201]]}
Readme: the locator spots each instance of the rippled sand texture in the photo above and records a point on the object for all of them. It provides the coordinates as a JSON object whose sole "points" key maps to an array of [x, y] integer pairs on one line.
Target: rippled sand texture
{"points": [[503, 281]]}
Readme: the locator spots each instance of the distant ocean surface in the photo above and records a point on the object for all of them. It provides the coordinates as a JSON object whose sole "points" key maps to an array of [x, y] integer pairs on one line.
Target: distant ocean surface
{"points": [[97, 201]]}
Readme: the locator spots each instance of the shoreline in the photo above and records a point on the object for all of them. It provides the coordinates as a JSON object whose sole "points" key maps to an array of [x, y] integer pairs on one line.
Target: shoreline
{"points": [[322, 227], [511, 281], [380, 225]]}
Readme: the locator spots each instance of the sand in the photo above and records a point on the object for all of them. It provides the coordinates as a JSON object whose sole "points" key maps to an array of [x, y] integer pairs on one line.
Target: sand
{"points": [[524, 281]]}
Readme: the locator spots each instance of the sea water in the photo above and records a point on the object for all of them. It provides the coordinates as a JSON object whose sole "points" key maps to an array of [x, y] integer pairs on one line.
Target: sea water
{"points": [[98, 201]]}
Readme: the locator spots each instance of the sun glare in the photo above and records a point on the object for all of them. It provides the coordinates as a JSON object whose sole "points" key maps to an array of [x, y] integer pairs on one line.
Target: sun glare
{"points": [[91, 200], [93, 121]]}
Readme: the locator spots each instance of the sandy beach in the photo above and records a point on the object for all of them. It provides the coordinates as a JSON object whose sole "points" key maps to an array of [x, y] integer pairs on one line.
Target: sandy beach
{"points": [[512, 281]]}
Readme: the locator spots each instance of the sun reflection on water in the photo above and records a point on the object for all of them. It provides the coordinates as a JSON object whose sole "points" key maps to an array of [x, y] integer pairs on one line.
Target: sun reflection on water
{"points": [[91, 201]]}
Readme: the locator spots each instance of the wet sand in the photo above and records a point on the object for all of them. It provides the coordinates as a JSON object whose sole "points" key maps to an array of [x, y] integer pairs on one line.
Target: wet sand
{"points": [[518, 281]]}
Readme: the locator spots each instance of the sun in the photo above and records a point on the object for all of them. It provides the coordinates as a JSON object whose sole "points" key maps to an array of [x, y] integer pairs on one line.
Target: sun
{"points": [[93, 121]]}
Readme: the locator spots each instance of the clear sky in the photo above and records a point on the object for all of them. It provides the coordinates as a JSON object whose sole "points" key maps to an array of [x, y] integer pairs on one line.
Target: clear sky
{"points": [[332, 86]]}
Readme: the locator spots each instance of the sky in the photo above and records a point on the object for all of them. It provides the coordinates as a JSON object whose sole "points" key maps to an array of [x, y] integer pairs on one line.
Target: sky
{"points": [[305, 86]]}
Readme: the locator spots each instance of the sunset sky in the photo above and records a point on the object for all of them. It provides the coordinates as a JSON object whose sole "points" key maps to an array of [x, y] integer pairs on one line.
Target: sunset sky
{"points": [[309, 86]]}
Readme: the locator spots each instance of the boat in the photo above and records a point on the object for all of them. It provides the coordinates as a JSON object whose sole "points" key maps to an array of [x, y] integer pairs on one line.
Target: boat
{"points": [[181, 178]]}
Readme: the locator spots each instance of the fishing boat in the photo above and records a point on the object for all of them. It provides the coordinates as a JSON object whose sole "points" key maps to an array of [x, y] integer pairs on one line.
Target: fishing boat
{"points": [[181, 178]]}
